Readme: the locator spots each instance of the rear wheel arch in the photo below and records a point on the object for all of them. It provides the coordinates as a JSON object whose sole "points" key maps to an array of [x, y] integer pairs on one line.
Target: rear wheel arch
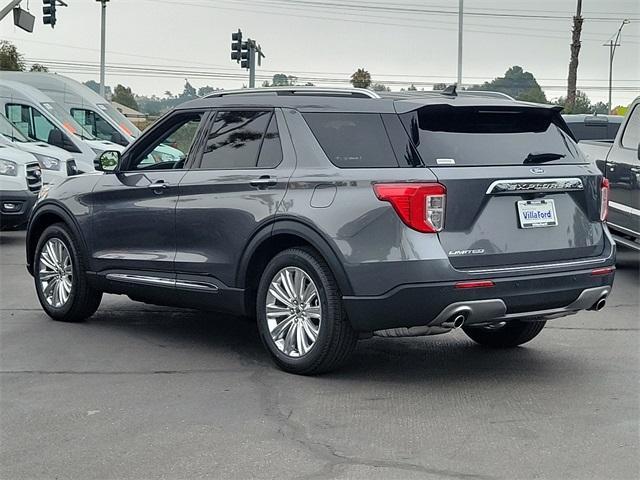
{"points": [[276, 238], [44, 217]]}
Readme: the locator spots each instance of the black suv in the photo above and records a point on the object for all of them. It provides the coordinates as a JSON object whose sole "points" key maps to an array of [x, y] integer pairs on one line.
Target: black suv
{"points": [[334, 215]]}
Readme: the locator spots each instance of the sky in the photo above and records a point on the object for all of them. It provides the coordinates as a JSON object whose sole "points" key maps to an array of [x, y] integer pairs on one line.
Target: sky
{"points": [[153, 45]]}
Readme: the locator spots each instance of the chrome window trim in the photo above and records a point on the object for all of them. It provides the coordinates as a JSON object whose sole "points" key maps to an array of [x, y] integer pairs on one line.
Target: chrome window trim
{"points": [[546, 185]]}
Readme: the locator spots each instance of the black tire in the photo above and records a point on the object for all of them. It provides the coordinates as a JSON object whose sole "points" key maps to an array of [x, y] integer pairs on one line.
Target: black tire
{"points": [[336, 339], [511, 335], [83, 300]]}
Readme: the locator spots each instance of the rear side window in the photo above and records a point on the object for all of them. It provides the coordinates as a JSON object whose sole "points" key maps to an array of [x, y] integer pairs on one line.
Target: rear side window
{"points": [[631, 134], [353, 140], [472, 136], [235, 139]]}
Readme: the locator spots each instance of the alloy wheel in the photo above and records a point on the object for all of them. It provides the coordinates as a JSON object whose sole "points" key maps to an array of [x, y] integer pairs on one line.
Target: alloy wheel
{"points": [[55, 272], [293, 311]]}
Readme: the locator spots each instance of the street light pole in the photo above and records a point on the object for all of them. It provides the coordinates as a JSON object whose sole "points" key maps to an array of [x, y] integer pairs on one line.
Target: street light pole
{"points": [[103, 25], [612, 44], [460, 16]]}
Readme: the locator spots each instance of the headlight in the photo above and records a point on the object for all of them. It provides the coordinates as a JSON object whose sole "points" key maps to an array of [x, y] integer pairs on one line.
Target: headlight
{"points": [[48, 163], [8, 167]]}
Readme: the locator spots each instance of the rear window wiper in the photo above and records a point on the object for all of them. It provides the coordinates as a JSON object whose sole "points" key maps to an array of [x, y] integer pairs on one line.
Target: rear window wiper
{"points": [[543, 157]]}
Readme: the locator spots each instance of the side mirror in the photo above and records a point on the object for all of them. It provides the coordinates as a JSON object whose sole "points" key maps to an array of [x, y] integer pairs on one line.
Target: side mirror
{"points": [[107, 161]]}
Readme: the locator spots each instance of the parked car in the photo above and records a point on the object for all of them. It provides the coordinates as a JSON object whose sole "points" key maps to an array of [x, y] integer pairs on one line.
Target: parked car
{"points": [[593, 127], [55, 162], [332, 215], [20, 182], [92, 112], [38, 117], [620, 163]]}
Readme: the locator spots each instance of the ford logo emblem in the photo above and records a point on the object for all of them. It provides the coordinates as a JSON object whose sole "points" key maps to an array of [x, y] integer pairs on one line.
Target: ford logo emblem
{"points": [[537, 170]]}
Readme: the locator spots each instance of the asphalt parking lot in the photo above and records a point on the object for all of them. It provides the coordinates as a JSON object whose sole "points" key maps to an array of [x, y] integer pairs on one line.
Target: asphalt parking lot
{"points": [[146, 392]]}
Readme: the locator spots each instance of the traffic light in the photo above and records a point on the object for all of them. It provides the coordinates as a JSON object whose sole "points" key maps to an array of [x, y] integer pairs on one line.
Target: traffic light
{"points": [[236, 46], [49, 12]]}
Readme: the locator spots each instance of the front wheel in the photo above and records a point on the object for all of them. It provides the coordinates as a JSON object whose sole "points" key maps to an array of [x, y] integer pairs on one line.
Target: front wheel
{"points": [[60, 277], [509, 335], [300, 316]]}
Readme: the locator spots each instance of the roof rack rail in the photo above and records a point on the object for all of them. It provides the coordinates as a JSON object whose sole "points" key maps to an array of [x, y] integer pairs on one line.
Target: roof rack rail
{"points": [[438, 93], [309, 91]]}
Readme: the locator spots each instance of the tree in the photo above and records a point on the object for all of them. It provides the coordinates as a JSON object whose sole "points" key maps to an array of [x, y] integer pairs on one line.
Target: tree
{"points": [[95, 86], [38, 67], [516, 83], [600, 108], [124, 96], [361, 78], [282, 80], [439, 86], [582, 104], [412, 88], [206, 90], [380, 87], [189, 91], [573, 63], [10, 58]]}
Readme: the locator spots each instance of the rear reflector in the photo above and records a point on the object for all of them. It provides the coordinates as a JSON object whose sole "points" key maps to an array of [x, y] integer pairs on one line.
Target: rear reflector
{"points": [[419, 205], [475, 284], [602, 271], [604, 199]]}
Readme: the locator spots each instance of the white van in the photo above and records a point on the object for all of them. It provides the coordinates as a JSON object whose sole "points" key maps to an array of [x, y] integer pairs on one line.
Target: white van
{"points": [[20, 183], [55, 162], [90, 110], [40, 118]]}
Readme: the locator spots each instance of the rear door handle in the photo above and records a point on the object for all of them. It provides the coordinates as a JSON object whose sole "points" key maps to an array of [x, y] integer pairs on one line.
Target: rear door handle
{"points": [[263, 182]]}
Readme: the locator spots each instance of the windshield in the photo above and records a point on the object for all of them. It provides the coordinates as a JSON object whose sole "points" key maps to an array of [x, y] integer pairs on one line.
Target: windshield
{"points": [[70, 125], [483, 136], [8, 130], [123, 122]]}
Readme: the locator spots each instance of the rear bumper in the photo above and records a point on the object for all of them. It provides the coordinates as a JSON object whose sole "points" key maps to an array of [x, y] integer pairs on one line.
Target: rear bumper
{"points": [[542, 296], [15, 207]]}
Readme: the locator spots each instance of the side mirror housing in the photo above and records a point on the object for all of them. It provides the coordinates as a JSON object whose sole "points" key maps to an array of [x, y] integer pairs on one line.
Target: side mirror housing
{"points": [[107, 161], [56, 138]]}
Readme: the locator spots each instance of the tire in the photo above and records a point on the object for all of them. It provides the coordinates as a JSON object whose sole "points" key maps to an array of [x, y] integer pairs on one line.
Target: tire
{"points": [[510, 335], [321, 313], [82, 301]]}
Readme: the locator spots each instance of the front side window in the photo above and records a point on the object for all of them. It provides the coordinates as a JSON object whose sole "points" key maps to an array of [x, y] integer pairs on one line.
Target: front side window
{"points": [[235, 139], [30, 122], [97, 126], [171, 147], [631, 135]]}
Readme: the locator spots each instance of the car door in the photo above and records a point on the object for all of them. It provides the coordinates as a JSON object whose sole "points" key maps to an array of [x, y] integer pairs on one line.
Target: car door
{"points": [[623, 172], [133, 209], [235, 188]]}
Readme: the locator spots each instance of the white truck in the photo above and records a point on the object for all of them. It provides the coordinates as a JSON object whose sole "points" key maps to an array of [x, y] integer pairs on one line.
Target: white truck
{"points": [[20, 183], [620, 164]]}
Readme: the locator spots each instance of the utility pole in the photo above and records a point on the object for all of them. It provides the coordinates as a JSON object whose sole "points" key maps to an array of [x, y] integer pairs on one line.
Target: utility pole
{"points": [[612, 44], [460, 16], [103, 27], [573, 63]]}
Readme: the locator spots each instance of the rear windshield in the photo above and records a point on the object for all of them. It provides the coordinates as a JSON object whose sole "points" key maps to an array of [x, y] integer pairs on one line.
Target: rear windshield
{"points": [[466, 136]]}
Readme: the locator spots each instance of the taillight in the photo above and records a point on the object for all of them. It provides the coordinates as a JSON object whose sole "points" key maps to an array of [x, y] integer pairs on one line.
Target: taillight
{"points": [[419, 205], [604, 199]]}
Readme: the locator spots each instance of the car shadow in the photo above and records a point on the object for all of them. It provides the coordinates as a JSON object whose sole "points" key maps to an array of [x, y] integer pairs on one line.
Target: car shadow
{"points": [[442, 359]]}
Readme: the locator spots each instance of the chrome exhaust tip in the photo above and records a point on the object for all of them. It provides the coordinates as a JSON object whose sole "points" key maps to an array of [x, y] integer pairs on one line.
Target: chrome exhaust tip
{"points": [[599, 305], [455, 321]]}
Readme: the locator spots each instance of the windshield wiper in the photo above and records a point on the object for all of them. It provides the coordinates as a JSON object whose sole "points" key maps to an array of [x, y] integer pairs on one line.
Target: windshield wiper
{"points": [[543, 157]]}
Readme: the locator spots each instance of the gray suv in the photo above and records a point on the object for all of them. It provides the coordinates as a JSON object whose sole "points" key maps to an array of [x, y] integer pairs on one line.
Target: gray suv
{"points": [[335, 215]]}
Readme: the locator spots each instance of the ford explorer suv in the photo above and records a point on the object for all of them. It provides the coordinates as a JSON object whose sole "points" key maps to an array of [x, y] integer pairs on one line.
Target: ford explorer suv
{"points": [[619, 162], [334, 215]]}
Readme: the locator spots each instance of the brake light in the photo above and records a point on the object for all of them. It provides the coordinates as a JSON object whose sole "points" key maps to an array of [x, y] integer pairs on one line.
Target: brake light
{"points": [[602, 271], [419, 205], [604, 199], [475, 284]]}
